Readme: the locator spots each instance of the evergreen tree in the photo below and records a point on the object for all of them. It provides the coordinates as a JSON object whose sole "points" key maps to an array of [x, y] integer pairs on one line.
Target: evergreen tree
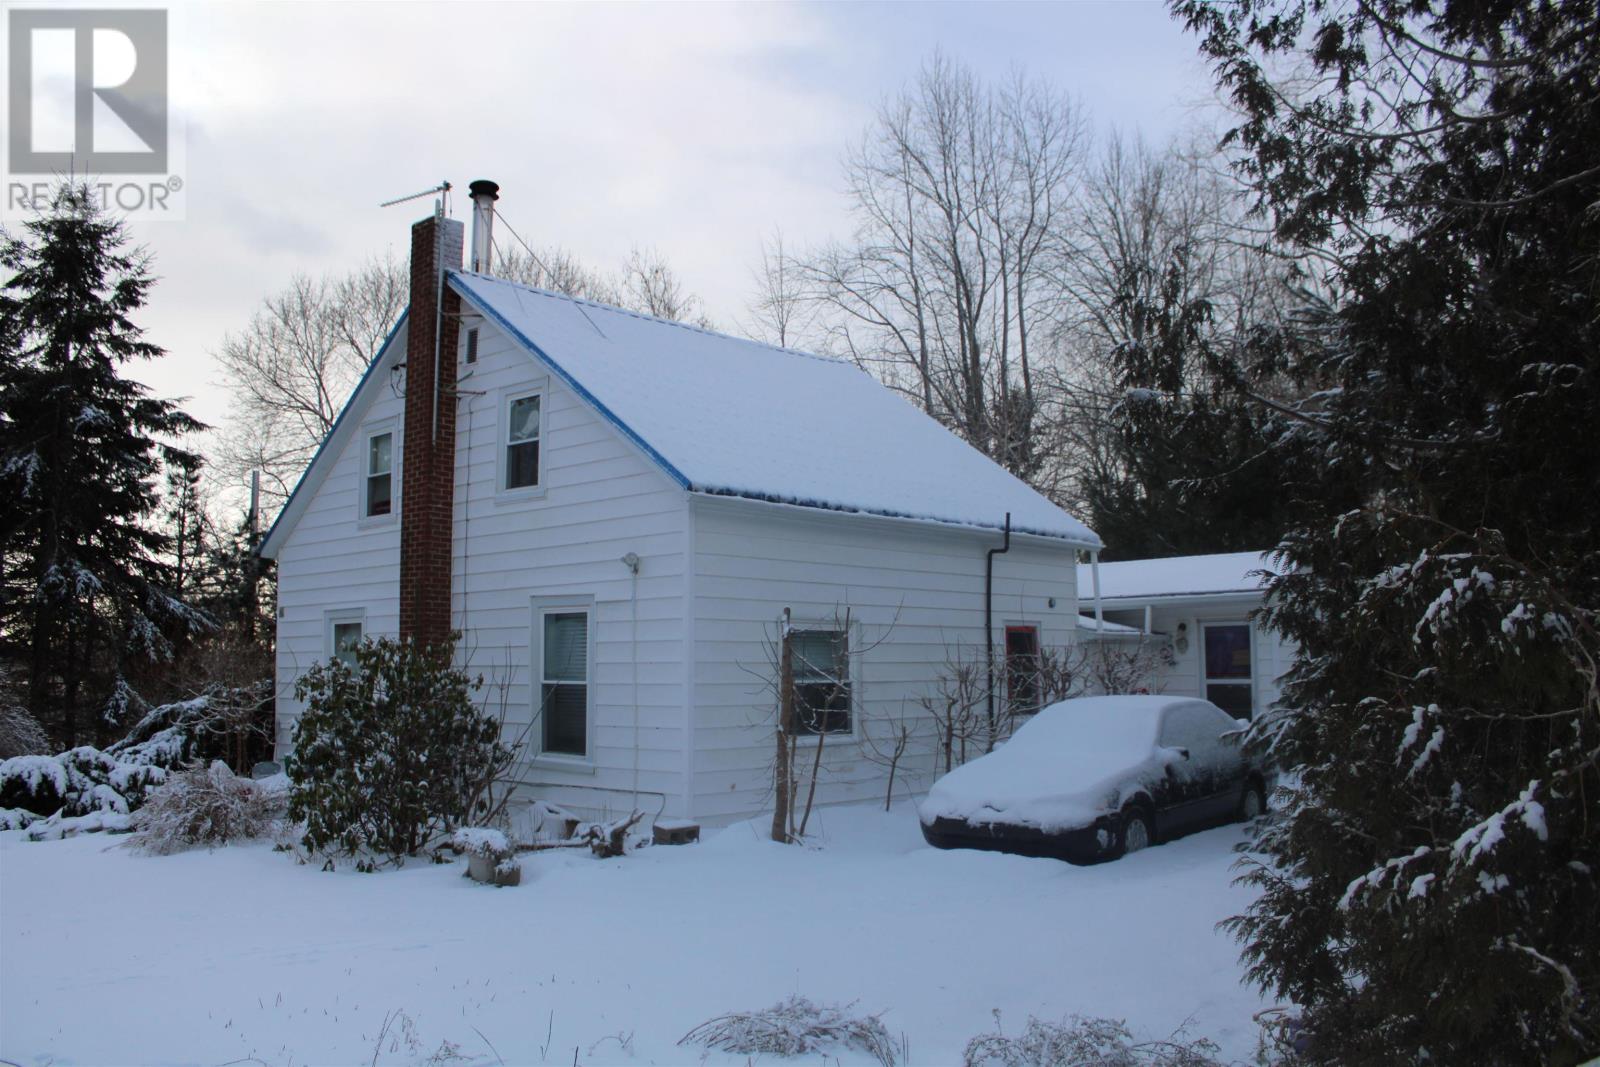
{"points": [[1190, 465], [87, 585], [187, 524], [1429, 893]]}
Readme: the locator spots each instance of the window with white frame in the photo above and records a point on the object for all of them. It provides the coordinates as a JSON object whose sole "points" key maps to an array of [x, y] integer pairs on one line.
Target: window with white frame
{"points": [[821, 663], [344, 638], [377, 496], [522, 442], [564, 681]]}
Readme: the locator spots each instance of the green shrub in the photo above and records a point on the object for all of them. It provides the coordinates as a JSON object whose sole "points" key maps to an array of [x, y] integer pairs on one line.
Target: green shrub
{"points": [[390, 752]]}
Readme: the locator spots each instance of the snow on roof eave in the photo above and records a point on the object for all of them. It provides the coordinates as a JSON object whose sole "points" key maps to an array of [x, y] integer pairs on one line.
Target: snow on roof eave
{"points": [[1208, 594], [1072, 540], [315, 471], [1106, 628], [491, 313]]}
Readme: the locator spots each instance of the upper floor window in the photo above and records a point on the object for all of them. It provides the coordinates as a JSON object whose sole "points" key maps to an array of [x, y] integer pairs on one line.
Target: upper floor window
{"points": [[821, 664], [472, 345], [522, 442], [378, 498]]}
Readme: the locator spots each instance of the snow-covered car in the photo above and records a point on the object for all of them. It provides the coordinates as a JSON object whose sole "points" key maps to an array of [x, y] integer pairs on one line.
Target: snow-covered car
{"points": [[1090, 779]]}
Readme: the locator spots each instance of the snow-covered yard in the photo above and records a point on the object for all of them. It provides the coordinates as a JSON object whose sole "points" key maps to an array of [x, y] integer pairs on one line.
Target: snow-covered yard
{"points": [[240, 955]]}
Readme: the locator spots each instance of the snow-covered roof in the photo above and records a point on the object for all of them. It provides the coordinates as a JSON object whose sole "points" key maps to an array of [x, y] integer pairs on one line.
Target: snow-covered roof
{"points": [[732, 417], [1224, 574]]}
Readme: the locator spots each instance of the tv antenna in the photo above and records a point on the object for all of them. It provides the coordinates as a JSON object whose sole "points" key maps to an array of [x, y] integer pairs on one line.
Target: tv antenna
{"points": [[443, 188]]}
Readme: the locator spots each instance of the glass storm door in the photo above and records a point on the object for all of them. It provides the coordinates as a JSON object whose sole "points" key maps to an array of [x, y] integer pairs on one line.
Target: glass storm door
{"points": [[1228, 667]]}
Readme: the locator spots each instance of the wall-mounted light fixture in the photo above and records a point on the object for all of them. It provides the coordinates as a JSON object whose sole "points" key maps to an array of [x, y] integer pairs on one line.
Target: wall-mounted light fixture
{"points": [[1180, 640]]}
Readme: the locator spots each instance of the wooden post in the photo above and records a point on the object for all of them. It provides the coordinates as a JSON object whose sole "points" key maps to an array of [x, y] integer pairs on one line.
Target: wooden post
{"points": [[783, 777]]}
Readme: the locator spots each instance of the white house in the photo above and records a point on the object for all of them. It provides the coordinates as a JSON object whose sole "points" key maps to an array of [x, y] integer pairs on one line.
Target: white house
{"points": [[1201, 608], [615, 512]]}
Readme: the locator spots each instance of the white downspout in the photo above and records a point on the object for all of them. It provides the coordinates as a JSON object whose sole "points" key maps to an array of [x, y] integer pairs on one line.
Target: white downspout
{"points": [[631, 561], [1094, 570]]}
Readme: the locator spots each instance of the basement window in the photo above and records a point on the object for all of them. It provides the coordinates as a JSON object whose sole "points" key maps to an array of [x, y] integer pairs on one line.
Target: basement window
{"points": [[522, 442], [821, 662], [378, 494]]}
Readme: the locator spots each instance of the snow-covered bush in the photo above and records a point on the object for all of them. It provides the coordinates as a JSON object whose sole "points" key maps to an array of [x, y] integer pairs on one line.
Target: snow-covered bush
{"points": [[390, 751], [176, 734], [116, 779], [795, 1027], [1082, 1042], [33, 783], [206, 806]]}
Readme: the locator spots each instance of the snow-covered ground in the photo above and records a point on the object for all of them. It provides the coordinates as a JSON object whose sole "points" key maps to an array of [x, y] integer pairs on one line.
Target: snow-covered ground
{"points": [[240, 955]]}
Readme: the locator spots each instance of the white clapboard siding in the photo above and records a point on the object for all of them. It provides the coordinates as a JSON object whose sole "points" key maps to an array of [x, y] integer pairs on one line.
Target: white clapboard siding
{"points": [[915, 596], [600, 500]]}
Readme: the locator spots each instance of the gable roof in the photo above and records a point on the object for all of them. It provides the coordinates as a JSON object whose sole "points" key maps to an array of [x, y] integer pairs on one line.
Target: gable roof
{"points": [[724, 416], [731, 417], [1223, 574]]}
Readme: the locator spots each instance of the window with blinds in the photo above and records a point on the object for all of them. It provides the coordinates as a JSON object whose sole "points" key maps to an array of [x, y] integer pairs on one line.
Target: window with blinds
{"points": [[564, 683], [821, 660]]}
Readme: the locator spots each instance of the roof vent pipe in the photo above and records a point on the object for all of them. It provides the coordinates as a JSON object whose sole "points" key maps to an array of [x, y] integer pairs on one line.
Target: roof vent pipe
{"points": [[484, 193]]}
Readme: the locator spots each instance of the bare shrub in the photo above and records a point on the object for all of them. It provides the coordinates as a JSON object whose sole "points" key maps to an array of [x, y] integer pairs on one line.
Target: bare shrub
{"points": [[956, 706], [1082, 1042], [20, 733], [206, 806], [795, 1027]]}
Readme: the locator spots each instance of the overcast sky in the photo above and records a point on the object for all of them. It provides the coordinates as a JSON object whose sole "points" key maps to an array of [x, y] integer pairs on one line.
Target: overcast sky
{"points": [[695, 129]]}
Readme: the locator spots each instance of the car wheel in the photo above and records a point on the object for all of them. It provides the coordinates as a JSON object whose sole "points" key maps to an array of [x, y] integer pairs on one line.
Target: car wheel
{"points": [[1137, 832], [1254, 802]]}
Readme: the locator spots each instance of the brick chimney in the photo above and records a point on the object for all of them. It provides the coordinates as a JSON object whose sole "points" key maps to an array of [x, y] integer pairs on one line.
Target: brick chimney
{"points": [[428, 467]]}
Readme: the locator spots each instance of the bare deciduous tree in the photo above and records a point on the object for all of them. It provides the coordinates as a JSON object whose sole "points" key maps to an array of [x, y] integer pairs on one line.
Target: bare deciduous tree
{"points": [[292, 368], [961, 193], [780, 313], [646, 281]]}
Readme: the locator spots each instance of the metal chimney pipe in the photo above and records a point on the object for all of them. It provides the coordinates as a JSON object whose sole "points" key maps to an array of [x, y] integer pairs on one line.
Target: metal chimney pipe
{"points": [[484, 193]]}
